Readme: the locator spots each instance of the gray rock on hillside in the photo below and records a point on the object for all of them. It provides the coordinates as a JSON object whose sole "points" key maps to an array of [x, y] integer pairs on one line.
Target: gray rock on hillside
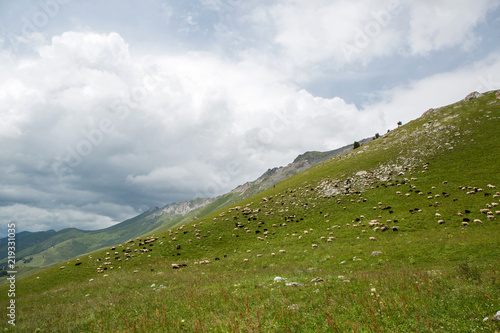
{"points": [[472, 95], [498, 94]]}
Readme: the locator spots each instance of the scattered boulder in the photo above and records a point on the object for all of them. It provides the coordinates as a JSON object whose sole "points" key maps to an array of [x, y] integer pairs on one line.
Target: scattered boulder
{"points": [[375, 253], [498, 94], [496, 317], [472, 95]]}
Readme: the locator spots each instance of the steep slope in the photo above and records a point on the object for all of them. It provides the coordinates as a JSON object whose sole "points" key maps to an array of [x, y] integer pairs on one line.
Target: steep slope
{"points": [[270, 178], [310, 253]]}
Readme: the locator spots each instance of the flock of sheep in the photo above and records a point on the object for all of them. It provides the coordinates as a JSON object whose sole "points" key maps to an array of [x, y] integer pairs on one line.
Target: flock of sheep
{"points": [[250, 220]]}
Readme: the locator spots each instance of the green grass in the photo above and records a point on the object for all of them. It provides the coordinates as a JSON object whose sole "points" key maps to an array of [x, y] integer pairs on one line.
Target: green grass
{"points": [[429, 277]]}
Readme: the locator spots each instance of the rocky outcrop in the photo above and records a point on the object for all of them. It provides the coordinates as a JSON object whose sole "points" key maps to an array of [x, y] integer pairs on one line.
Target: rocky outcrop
{"points": [[472, 95], [362, 180], [498, 94], [185, 207]]}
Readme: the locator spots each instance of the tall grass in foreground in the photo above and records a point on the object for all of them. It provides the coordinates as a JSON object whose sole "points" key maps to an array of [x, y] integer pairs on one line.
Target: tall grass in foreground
{"points": [[218, 299]]}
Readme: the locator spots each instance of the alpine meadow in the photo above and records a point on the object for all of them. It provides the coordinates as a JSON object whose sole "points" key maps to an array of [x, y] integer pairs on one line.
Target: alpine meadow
{"points": [[398, 235]]}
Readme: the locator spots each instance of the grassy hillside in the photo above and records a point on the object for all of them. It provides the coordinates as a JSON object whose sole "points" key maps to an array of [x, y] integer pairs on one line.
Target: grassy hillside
{"points": [[310, 254], [36, 251]]}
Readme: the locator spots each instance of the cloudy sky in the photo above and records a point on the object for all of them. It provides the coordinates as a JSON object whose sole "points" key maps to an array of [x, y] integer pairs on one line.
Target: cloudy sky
{"points": [[110, 107]]}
